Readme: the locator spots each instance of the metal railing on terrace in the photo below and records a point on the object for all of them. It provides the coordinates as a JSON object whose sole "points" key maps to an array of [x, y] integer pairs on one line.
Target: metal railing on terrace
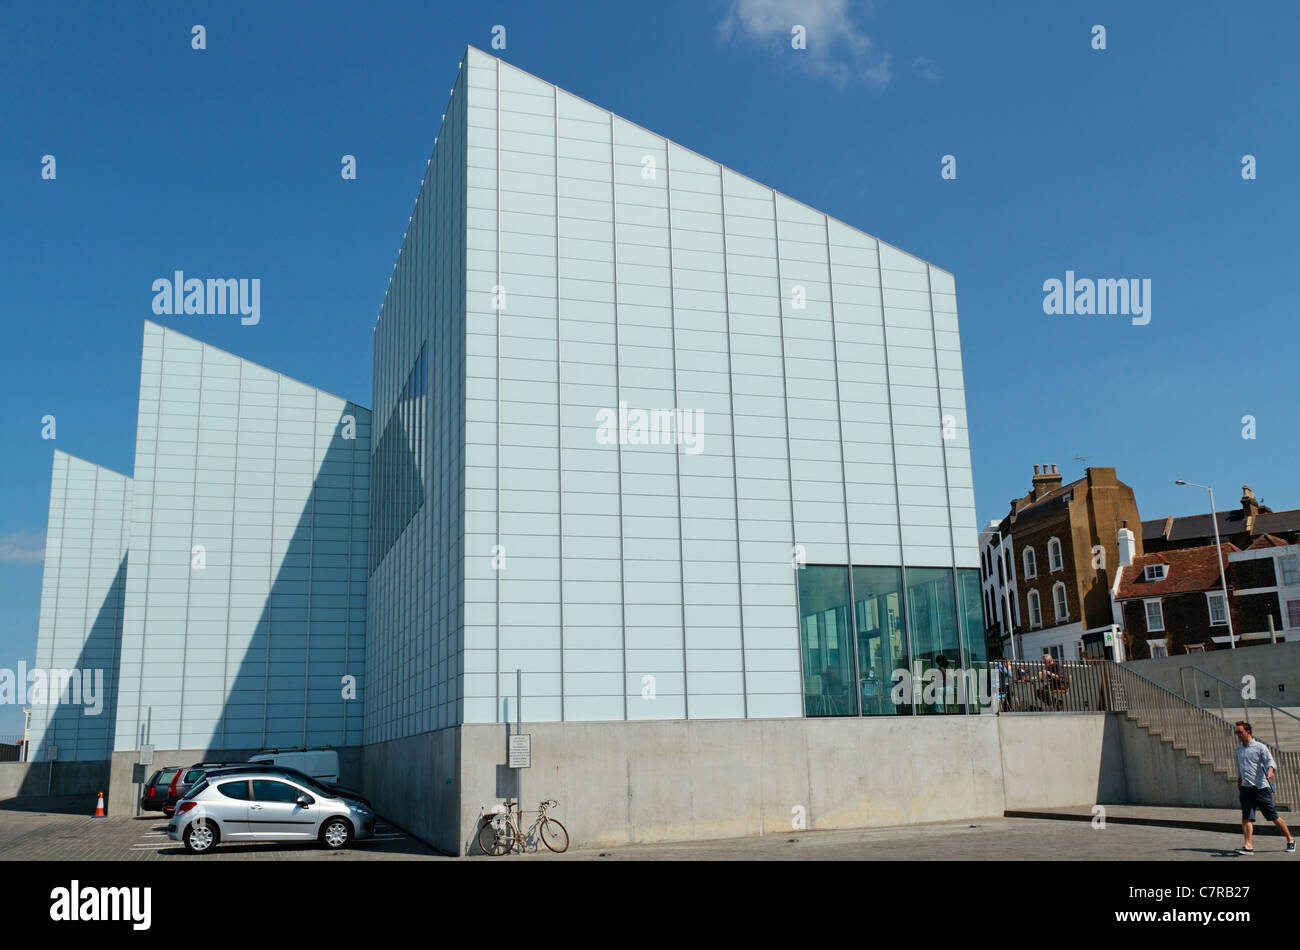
{"points": [[1101, 685], [1268, 721], [1034, 686]]}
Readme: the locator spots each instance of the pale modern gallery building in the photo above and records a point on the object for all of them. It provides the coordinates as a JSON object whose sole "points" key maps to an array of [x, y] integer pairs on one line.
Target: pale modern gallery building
{"points": [[690, 476], [668, 465]]}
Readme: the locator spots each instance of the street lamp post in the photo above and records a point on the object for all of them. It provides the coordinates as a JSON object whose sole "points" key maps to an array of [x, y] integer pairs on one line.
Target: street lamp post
{"points": [[1223, 577]]}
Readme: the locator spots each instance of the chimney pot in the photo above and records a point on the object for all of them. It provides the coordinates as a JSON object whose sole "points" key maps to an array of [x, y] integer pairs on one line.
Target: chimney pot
{"points": [[1035, 469], [1054, 471]]}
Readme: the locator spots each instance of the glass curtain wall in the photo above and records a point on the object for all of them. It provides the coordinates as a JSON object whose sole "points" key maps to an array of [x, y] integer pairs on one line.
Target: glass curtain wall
{"points": [[828, 664], [932, 614], [882, 638], [938, 626], [977, 653]]}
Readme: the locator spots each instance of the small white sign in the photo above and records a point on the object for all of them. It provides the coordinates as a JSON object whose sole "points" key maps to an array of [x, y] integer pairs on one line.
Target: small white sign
{"points": [[146, 755], [1110, 638], [521, 752]]}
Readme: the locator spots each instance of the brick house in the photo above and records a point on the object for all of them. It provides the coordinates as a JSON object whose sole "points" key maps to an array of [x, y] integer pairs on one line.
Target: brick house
{"points": [[1048, 567], [1267, 585], [1172, 602]]}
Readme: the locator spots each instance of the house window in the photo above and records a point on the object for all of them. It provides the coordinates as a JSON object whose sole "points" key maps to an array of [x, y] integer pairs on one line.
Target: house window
{"points": [[1195, 648], [1293, 613], [1158, 649], [1218, 616], [1290, 570], [1035, 610], [1031, 568], [1156, 572], [1054, 560], [1059, 602], [1155, 616]]}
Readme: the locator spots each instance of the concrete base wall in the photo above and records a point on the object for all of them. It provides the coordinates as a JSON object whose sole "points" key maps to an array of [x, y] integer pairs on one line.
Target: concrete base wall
{"points": [[624, 782], [127, 777], [1155, 773], [414, 783], [1052, 760], [36, 779]]}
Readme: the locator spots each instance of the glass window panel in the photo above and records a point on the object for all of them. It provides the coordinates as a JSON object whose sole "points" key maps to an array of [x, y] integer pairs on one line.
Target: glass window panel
{"points": [[824, 636], [973, 638], [882, 638], [932, 616]]}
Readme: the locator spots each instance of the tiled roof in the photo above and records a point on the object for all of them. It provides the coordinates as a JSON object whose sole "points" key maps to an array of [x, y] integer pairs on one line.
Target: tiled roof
{"points": [[1278, 521], [1190, 569], [1230, 522], [1267, 541], [1056, 494]]}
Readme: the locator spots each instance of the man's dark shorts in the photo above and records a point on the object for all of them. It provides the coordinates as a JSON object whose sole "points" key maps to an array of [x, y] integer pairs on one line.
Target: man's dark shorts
{"points": [[1261, 798]]}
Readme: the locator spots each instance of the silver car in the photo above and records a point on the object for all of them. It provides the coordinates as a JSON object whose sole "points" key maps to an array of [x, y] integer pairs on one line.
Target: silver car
{"points": [[258, 805]]}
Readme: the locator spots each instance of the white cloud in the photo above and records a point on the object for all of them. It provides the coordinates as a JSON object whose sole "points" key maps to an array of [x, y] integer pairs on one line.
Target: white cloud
{"points": [[927, 69], [22, 547], [837, 50]]}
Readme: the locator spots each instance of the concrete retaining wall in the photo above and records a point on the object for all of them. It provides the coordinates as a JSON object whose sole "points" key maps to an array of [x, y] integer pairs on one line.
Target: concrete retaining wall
{"points": [[1271, 664], [1155, 773], [624, 782], [1051, 760], [32, 779], [413, 782]]}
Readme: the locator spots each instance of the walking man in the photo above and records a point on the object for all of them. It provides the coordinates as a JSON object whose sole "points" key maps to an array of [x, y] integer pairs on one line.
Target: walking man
{"points": [[1255, 769]]}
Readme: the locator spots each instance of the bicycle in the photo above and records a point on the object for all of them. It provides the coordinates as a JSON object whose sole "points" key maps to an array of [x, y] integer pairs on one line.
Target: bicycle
{"points": [[500, 832]]}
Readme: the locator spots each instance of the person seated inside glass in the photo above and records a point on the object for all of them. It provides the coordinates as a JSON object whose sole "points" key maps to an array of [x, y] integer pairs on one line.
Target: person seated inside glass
{"points": [[835, 694]]}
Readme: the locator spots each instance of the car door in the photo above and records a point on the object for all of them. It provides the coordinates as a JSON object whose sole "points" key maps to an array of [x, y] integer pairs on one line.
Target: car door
{"points": [[230, 808], [274, 811]]}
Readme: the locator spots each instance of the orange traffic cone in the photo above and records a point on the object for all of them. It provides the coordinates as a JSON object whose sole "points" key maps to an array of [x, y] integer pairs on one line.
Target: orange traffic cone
{"points": [[99, 809]]}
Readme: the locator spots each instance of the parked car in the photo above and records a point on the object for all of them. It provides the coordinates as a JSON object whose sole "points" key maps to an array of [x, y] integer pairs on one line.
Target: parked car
{"points": [[320, 764], [343, 791], [258, 805], [187, 778], [154, 794]]}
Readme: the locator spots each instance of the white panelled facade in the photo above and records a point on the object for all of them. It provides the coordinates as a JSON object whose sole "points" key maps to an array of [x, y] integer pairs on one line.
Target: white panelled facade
{"points": [[608, 273]]}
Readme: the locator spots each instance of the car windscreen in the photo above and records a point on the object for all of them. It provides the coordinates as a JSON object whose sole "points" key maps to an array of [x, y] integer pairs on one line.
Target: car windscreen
{"points": [[311, 785], [165, 776]]}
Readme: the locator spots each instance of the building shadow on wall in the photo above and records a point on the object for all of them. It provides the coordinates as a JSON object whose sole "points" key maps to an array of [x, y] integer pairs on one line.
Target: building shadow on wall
{"points": [[69, 724], [300, 679]]}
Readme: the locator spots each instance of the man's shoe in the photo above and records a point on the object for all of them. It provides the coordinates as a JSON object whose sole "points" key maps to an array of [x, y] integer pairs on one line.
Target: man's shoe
{"points": [[1290, 847], [1245, 850]]}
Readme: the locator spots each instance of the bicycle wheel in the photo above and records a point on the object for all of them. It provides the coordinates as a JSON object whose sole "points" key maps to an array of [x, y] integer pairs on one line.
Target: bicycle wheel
{"points": [[493, 842], [554, 835]]}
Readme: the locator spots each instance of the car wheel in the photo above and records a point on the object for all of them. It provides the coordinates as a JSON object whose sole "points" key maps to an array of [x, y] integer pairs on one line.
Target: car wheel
{"points": [[201, 836], [336, 833]]}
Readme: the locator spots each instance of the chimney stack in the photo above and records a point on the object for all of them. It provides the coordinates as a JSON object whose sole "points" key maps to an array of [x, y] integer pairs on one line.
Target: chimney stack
{"points": [[1127, 546], [1044, 481], [1249, 506]]}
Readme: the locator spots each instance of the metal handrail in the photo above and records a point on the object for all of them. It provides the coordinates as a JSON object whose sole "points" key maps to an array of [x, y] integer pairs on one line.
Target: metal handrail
{"points": [[1273, 709], [1199, 731]]}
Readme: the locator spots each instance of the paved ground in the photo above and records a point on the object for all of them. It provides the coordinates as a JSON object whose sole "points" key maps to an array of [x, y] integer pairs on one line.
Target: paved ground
{"points": [[49, 832]]}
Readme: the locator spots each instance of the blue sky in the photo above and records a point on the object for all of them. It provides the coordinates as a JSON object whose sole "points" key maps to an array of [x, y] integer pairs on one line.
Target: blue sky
{"points": [[1117, 163]]}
